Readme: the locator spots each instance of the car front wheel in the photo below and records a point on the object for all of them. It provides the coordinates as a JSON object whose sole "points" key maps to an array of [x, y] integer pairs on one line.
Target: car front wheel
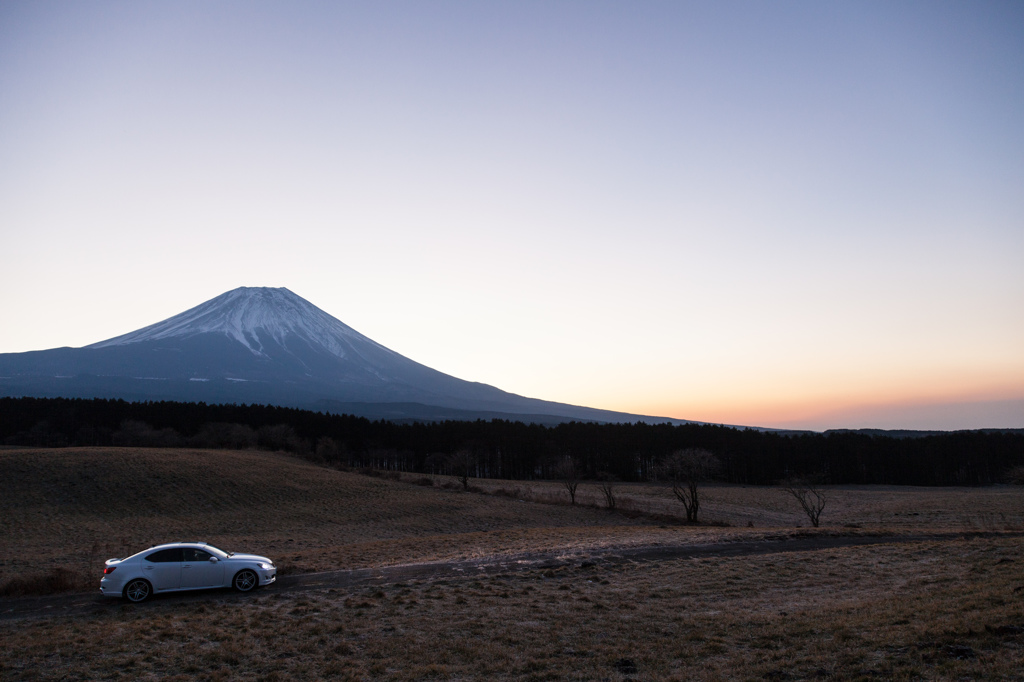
{"points": [[137, 590], [245, 581]]}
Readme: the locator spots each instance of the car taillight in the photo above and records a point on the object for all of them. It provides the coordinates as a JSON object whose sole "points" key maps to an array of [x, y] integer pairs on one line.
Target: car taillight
{"points": [[109, 569]]}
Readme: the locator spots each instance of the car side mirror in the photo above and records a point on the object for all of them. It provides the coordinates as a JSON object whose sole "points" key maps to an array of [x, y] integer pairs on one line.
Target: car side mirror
{"points": [[214, 560]]}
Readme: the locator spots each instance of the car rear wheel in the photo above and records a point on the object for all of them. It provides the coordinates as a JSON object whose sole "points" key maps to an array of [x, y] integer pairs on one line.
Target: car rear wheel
{"points": [[245, 581], [137, 590]]}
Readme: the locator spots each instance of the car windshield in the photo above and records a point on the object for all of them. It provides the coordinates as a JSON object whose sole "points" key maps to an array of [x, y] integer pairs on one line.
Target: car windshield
{"points": [[219, 552]]}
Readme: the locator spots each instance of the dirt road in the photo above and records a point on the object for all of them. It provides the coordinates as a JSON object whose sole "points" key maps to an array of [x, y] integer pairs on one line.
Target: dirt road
{"points": [[93, 603]]}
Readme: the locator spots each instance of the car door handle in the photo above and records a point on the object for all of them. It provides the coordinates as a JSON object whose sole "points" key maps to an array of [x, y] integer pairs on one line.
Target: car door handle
{"points": [[148, 568], [187, 566]]}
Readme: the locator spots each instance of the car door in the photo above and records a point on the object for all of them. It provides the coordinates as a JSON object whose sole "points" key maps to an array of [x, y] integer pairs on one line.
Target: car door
{"points": [[163, 569], [198, 571]]}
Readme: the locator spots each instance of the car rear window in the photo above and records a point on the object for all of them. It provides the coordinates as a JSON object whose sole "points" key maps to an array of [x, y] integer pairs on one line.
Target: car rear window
{"points": [[165, 556]]}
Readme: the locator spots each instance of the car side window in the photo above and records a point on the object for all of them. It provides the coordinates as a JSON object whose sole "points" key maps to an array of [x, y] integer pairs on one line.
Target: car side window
{"points": [[193, 554], [165, 556]]}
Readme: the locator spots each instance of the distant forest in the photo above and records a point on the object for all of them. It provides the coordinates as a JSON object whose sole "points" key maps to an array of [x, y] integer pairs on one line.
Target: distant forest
{"points": [[514, 450]]}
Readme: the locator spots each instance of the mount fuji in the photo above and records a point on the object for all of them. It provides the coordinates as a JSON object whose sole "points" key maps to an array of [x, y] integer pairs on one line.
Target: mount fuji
{"points": [[270, 346]]}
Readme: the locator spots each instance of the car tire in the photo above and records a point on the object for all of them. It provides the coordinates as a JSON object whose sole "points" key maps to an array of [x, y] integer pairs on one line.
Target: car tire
{"points": [[245, 581], [137, 590]]}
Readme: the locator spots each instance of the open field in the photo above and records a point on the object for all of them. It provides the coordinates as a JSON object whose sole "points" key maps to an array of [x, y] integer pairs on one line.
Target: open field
{"points": [[950, 609], [882, 508], [88, 505], [78, 507]]}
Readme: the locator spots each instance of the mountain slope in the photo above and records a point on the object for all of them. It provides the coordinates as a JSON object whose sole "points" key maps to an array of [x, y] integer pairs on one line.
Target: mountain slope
{"points": [[264, 345]]}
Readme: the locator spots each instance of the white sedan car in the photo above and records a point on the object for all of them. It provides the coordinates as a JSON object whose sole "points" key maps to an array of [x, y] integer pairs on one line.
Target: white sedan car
{"points": [[180, 566]]}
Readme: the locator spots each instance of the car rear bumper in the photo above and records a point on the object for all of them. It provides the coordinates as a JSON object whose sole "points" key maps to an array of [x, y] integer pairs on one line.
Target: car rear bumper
{"points": [[109, 588]]}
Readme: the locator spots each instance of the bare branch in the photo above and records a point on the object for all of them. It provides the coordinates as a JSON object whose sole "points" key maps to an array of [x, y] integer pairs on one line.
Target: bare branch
{"points": [[606, 484], [461, 465], [686, 470], [811, 498], [569, 474]]}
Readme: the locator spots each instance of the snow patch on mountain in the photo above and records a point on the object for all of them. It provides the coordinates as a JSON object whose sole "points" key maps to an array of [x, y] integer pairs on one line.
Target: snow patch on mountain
{"points": [[252, 316]]}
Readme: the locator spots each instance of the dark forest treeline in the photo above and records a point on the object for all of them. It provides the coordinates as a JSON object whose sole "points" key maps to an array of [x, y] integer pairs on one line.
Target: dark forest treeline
{"points": [[514, 450]]}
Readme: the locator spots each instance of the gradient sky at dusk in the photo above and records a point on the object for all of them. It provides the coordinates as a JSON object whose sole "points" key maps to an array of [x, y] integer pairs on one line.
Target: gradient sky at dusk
{"points": [[796, 214]]}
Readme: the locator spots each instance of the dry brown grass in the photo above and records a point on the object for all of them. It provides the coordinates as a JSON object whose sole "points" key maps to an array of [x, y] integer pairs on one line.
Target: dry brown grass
{"points": [[925, 610], [912, 611], [75, 508], [881, 508], [53, 582]]}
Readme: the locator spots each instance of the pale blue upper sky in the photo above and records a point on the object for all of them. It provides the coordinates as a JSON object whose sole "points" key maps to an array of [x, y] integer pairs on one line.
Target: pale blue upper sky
{"points": [[790, 213]]}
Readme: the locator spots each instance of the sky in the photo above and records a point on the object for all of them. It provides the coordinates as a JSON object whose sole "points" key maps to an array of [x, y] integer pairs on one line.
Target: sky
{"points": [[785, 214]]}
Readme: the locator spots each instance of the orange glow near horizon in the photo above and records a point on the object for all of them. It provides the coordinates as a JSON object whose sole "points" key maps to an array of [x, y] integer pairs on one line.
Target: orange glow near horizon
{"points": [[803, 406]]}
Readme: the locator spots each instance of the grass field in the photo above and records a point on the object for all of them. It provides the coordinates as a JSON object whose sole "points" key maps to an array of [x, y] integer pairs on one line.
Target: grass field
{"points": [[951, 609], [78, 507], [87, 505], [921, 611], [883, 508]]}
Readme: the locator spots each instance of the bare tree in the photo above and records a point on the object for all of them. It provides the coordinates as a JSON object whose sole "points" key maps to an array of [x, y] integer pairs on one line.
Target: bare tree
{"points": [[461, 464], [686, 470], [606, 484], [810, 496], [569, 474]]}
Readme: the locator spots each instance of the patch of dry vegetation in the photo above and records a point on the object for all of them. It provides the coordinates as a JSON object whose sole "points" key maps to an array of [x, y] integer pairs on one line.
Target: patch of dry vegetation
{"points": [[951, 610]]}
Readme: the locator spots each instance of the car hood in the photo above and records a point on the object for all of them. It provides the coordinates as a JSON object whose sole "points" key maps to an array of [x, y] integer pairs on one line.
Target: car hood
{"points": [[249, 557]]}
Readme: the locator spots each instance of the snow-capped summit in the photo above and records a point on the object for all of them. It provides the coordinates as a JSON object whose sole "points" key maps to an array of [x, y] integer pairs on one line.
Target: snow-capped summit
{"points": [[253, 316], [268, 346]]}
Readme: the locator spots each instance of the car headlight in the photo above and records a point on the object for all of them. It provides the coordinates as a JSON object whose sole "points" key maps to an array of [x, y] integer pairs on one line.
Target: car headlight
{"points": [[265, 566]]}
